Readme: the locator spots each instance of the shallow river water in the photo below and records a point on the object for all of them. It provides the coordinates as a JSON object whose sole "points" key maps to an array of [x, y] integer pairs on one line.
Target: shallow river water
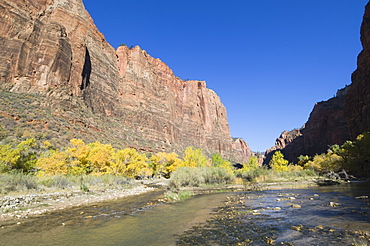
{"points": [[332, 215], [128, 221]]}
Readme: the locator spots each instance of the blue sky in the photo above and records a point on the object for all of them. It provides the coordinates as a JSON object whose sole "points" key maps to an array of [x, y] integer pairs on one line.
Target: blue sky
{"points": [[270, 61]]}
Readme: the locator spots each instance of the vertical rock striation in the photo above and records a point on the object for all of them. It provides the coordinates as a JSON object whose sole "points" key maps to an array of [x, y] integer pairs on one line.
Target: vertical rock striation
{"points": [[53, 48], [169, 110]]}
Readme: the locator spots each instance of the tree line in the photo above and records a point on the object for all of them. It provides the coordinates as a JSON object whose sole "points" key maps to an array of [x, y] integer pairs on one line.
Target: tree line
{"points": [[96, 158]]}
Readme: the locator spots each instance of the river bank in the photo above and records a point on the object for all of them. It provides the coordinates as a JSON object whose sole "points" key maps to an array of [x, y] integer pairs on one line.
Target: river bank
{"points": [[289, 213], [23, 206]]}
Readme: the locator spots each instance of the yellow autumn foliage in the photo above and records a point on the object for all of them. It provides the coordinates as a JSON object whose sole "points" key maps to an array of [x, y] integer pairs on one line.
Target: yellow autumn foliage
{"points": [[163, 164], [131, 164], [53, 164], [100, 158], [194, 158], [278, 163]]}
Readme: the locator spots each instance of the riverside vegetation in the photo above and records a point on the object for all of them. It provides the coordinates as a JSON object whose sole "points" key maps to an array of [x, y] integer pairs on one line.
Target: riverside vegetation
{"points": [[31, 164]]}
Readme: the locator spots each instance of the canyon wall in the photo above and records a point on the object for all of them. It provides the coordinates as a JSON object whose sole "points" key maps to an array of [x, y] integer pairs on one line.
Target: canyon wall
{"points": [[340, 118], [326, 126], [52, 48], [167, 109], [357, 102]]}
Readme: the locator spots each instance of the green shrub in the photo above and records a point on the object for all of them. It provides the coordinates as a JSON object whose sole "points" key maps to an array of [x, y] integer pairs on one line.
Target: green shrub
{"points": [[253, 173], [181, 195], [269, 175], [217, 175], [57, 181], [17, 182], [186, 177], [107, 180], [195, 177], [84, 187]]}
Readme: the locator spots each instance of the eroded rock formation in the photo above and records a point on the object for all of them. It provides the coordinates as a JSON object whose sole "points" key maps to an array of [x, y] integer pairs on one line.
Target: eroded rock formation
{"points": [[53, 48]]}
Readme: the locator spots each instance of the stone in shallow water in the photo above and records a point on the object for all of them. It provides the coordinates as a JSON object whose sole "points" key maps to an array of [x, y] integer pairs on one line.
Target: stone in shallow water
{"points": [[296, 206], [320, 227], [362, 197], [334, 204], [296, 228]]}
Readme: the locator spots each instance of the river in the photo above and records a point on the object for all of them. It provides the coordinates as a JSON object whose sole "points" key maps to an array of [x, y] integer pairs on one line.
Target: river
{"points": [[332, 215]]}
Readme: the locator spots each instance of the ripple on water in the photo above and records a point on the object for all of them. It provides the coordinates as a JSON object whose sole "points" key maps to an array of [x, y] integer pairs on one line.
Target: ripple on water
{"points": [[273, 217]]}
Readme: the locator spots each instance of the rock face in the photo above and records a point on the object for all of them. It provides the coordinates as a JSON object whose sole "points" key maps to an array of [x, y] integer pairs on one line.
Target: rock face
{"points": [[242, 152], [169, 110], [326, 126], [52, 48], [357, 102], [289, 143]]}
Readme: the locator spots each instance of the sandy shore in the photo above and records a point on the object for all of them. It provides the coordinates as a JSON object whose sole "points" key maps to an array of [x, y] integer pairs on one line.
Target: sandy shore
{"points": [[28, 205]]}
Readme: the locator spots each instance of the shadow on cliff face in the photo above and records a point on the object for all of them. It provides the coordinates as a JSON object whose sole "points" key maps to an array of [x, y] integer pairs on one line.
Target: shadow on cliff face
{"points": [[291, 151], [326, 126], [86, 71]]}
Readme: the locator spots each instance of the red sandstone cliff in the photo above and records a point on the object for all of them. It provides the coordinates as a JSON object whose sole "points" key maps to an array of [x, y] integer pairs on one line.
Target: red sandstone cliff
{"points": [[53, 48], [169, 110], [241, 150]]}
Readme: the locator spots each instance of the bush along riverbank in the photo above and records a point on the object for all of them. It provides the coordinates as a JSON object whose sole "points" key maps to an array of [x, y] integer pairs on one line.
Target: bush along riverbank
{"points": [[35, 178], [24, 196]]}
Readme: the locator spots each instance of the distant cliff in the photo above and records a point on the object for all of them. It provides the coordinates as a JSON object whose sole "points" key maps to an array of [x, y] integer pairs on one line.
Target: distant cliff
{"points": [[340, 118], [51, 49], [326, 126], [241, 150]]}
